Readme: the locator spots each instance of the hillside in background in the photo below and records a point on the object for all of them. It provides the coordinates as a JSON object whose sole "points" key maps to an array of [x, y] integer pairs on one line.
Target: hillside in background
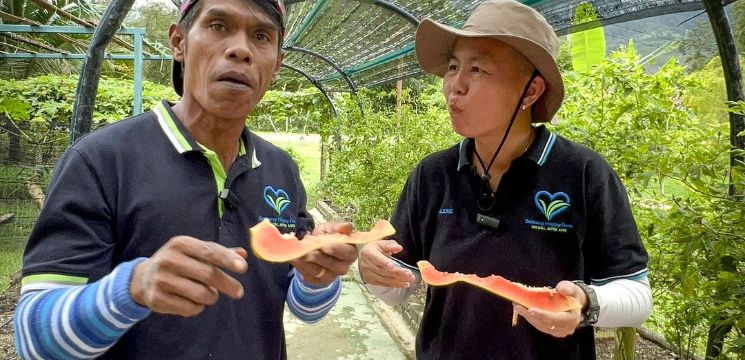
{"points": [[691, 30]]}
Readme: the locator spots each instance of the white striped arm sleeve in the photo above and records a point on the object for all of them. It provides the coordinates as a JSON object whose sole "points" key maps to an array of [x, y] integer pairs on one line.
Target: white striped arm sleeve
{"points": [[311, 303], [63, 321]]}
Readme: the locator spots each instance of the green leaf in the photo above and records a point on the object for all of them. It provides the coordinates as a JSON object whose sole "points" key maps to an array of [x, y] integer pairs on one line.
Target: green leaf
{"points": [[588, 47], [15, 108]]}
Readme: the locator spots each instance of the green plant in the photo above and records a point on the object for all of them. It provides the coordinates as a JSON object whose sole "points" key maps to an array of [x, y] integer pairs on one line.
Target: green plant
{"points": [[372, 159], [640, 123]]}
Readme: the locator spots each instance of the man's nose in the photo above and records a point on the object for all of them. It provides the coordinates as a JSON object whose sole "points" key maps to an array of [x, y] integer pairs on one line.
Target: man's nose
{"points": [[240, 48]]}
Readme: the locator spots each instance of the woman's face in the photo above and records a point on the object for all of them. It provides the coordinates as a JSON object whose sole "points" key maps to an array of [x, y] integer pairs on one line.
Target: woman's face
{"points": [[482, 86]]}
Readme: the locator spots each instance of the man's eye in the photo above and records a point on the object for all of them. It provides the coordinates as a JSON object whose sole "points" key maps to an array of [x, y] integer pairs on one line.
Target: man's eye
{"points": [[218, 27], [476, 69], [452, 67], [262, 37]]}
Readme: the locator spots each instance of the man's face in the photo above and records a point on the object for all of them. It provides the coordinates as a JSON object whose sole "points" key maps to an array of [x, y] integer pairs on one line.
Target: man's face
{"points": [[482, 86], [230, 54]]}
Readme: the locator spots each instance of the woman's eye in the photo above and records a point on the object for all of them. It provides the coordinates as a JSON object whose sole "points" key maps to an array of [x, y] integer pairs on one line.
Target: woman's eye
{"points": [[262, 37]]}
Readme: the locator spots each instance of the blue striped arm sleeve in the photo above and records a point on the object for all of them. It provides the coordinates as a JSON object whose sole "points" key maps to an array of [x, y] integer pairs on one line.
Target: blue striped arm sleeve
{"points": [[77, 322], [311, 303]]}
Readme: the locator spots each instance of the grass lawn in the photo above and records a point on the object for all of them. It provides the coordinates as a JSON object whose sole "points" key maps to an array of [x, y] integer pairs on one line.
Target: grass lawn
{"points": [[306, 149]]}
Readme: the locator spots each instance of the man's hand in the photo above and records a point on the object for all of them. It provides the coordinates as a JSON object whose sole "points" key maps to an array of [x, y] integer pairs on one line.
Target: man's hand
{"points": [[558, 324], [321, 267], [377, 269], [185, 275]]}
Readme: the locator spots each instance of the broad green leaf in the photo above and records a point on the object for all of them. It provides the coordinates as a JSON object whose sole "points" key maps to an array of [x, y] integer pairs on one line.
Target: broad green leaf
{"points": [[588, 47]]}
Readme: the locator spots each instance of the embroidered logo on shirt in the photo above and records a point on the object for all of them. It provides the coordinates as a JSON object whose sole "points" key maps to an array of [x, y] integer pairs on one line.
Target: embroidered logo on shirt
{"points": [[278, 199], [446, 211], [550, 205]]}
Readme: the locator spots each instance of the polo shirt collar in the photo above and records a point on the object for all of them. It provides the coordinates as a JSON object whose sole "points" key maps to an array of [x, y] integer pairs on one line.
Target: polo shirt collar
{"points": [[538, 152], [183, 142]]}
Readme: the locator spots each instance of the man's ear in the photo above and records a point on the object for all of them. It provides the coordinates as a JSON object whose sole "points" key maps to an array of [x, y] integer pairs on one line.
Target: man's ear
{"points": [[177, 41], [537, 88], [278, 66]]}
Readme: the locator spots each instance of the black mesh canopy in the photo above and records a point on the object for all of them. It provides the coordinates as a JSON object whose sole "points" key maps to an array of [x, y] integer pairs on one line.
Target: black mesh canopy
{"points": [[342, 45]]}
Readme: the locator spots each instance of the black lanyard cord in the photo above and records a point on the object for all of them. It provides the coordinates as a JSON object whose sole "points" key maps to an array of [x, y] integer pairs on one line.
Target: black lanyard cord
{"points": [[486, 176]]}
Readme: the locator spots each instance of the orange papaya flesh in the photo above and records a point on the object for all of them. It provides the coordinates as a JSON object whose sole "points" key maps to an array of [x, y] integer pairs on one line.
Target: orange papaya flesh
{"points": [[530, 297], [271, 245]]}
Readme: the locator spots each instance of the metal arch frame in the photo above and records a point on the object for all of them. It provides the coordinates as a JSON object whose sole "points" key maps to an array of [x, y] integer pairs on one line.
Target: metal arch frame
{"points": [[309, 19], [316, 84], [396, 9], [137, 56], [382, 3], [641, 14], [381, 59], [352, 85]]}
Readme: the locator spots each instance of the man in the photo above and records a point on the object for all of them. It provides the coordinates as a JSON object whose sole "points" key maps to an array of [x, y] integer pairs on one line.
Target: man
{"points": [[139, 251], [511, 199]]}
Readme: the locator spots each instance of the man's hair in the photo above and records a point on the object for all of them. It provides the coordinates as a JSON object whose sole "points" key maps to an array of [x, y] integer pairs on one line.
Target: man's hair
{"points": [[264, 5]]}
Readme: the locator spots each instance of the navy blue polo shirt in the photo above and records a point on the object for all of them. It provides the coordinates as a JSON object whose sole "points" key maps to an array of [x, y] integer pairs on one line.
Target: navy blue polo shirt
{"points": [[563, 215], [123, 191]]}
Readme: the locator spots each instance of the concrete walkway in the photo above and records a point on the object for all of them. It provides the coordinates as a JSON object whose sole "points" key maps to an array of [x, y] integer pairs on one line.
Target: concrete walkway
{"points": [[351, 330]]}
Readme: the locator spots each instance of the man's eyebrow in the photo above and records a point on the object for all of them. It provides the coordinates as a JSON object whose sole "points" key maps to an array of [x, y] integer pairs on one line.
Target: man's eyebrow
{"points": [[222, 14], [218, 13]]}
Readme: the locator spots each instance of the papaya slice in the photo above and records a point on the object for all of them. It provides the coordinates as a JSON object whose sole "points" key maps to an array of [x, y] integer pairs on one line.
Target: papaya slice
{"points": [[271, 245], [530, 297]]}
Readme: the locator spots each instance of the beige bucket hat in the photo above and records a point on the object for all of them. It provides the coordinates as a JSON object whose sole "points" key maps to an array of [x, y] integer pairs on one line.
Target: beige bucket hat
{"points": [[511, 22]]}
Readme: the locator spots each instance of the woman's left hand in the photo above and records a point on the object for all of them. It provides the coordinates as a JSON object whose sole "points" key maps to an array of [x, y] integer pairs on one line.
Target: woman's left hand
{"points": [[558, 324]]}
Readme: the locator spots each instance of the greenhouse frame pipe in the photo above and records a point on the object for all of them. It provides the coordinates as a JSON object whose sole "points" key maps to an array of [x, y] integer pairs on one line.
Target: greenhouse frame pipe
{"points": [[352, 86], [316, 84], [85, 95], [732, 79]]}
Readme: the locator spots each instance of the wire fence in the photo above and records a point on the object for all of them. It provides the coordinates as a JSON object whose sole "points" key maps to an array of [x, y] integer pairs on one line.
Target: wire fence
{"points": [[24, 173]]}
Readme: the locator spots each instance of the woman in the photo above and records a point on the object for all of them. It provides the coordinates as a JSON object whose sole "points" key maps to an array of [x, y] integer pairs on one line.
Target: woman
{"points": [[511, 199]]}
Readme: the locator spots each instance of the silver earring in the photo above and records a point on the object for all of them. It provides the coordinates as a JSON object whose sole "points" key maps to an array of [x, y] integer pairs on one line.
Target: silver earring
{"points": [[523, 106]]}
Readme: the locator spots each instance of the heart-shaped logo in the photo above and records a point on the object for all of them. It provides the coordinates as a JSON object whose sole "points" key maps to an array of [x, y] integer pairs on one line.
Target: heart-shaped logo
{"points": [[551, 204], [278, 199]]}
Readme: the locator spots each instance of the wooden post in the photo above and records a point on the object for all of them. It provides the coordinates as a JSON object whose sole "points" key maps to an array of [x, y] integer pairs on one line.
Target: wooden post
{"points": [[732, 78], [399, 91]]}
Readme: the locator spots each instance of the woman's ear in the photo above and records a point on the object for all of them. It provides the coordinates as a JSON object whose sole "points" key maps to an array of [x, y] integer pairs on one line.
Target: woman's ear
{"points": [[177, 42], [536, 89]]}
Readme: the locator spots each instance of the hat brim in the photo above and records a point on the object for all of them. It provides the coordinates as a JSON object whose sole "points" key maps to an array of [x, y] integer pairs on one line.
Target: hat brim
{"points": [[434, 43], [177, 77]]}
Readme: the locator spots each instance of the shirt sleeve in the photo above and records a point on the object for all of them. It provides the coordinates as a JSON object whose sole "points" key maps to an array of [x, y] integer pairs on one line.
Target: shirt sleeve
{"points": [[311, 303], [77, 322], [613, 248], [72, 240], [406, 221]]}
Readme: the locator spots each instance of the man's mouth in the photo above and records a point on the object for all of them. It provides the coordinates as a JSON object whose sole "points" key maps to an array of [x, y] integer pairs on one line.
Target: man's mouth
{"points": [[235, 79]]}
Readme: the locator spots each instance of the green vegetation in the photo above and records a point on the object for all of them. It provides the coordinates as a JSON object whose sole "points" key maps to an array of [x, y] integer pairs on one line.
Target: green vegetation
{"points": [[15, 200], [588, 47], [306, 150], [666, 134]]}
